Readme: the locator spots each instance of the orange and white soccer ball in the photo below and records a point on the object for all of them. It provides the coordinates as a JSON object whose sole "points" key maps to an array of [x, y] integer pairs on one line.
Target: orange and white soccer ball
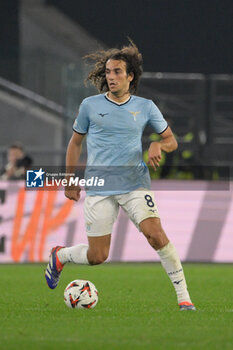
{"points": [[81, 294]]}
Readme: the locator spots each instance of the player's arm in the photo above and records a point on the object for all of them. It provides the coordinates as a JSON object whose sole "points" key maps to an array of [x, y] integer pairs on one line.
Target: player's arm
{"points": [[72, 157], [168, 143]]}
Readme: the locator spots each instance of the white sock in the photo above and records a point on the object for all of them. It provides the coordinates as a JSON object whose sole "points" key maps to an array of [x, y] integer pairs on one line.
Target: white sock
{"points": [[171, 262], [76, 254]]}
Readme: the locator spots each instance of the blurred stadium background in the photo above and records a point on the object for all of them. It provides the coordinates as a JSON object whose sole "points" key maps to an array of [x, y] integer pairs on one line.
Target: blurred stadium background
{"points": [[188, 72]]}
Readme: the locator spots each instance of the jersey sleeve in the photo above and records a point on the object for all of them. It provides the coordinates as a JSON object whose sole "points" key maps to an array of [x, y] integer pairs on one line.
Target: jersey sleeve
{"points": [[81, 123], [156, 119]]}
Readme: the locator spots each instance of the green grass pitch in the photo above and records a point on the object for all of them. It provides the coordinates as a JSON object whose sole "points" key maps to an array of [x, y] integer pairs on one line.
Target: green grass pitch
{"points": [[137, 309]]}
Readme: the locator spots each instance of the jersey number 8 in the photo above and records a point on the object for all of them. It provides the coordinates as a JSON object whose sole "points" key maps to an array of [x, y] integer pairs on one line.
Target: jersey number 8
{"points": [[149, 201]]}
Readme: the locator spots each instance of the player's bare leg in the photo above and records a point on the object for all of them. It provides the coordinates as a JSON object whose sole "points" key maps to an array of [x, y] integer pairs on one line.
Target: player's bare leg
{"points": [[154, 233], [96, 252], [98, 249], [170, 260]]}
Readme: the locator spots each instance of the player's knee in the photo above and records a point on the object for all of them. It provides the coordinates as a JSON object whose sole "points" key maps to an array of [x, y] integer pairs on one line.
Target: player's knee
{"points": [[159, 241], [157, 237], [153, 230]]}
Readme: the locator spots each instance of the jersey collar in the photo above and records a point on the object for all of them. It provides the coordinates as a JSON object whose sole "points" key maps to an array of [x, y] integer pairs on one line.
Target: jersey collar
{"points": [[116, 103]]}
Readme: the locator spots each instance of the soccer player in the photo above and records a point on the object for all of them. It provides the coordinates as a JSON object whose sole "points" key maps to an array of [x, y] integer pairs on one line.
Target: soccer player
{"points": [[114, 121]]}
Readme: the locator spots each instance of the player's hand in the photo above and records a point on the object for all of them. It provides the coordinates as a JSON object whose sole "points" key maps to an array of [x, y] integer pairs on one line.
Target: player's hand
{"points": [[73, 192], [154, 155]]}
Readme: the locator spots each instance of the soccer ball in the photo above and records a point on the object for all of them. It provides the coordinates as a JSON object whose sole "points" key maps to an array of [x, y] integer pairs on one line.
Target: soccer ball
{"points": [[81, 294]]}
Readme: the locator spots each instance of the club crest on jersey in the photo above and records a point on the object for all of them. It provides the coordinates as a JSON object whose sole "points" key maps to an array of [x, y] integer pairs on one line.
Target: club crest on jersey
{"points": [[134, 114]]}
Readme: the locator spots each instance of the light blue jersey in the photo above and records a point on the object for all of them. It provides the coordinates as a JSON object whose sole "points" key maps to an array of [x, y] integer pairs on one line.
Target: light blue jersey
{"points": [[114, 145]]}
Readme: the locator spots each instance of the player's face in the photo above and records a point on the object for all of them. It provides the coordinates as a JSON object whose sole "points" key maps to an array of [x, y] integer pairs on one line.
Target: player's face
{"points": [[117, 78]]}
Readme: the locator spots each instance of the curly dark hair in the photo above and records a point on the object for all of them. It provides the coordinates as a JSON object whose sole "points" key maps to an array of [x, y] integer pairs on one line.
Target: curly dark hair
{"points": [[129, 54]]}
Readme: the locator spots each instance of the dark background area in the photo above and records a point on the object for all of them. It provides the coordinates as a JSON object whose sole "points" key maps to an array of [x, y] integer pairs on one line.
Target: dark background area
{"points": [[173, 35], [9, 39]]}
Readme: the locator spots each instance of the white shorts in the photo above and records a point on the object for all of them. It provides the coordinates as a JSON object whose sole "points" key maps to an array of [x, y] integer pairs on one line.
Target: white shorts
{"points": [[101, 211]]}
